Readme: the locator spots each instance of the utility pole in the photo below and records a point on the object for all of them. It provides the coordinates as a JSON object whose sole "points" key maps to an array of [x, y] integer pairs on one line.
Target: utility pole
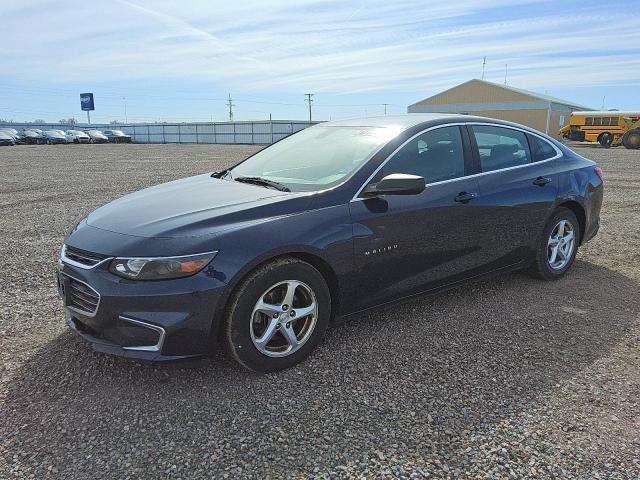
{"points": [[124, 99], [505, 73], [309, 101], [385, 107], [484, 62], [230, 104]]}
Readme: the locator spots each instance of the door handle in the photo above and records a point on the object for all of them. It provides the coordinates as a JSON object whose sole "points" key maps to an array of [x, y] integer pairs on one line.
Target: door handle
{"points": [[541, 181], [464, 197]]}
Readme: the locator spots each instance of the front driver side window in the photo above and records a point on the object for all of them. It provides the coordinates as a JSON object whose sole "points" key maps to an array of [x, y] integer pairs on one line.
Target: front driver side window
{"points": [[436, 155]]}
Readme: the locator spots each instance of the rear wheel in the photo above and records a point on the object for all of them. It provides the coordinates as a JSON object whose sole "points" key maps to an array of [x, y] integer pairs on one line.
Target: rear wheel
{"points": [[557, 246], [631, 139], [277, 316]]}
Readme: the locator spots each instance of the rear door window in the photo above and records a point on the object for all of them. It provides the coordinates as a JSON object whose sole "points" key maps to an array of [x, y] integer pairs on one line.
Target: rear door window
{"points": [[541, 149], [501, 147]]}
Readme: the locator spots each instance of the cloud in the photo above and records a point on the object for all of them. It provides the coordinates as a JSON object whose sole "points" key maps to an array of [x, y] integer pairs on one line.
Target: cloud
{"points": [[324, 46]]}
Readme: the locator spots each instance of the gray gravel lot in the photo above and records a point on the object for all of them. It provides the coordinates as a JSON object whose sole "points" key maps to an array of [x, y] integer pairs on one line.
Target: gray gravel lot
{"points": [[505, 378]]}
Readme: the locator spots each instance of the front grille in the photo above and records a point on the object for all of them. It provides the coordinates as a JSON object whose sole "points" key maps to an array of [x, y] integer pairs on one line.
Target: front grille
{"points": [[82, 257], [82, 297]]}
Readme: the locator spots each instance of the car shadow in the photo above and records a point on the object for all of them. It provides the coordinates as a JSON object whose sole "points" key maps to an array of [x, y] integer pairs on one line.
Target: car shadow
{"points": [[427, 370]]}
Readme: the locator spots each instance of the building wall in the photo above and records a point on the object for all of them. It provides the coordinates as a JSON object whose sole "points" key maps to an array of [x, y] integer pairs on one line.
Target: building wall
{"points": [[531, 118]]}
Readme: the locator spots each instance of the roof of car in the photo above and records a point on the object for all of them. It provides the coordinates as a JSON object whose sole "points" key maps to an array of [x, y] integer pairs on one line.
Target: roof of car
{"points": [[410, 120], [404, 121]]}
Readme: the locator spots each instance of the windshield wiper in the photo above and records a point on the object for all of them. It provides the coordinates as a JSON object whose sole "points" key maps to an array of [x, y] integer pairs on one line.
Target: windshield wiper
{"points": [[263, 182]]}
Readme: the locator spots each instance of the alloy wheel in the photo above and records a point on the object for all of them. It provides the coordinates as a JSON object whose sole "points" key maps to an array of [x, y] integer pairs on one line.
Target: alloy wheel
{"points": [[560, 245], [283, 318]]}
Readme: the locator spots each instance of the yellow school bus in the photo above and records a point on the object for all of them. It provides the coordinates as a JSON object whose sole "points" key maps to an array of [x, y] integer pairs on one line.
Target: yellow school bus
{"points": [[608, 128]]}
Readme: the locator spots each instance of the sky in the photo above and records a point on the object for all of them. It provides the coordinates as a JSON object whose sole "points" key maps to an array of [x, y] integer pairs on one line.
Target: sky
{"points": [[178, 61]]}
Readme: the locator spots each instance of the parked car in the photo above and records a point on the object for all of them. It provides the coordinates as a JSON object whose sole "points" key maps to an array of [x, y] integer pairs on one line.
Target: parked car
{"points": [[96, 136], [117, 136], [6, 139], [32, 136], [13, 133], [54, 137], [333, 220], [77, 136]]}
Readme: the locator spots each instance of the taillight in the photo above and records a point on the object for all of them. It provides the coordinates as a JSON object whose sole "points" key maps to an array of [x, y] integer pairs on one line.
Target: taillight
{"points": [[599, 172]]}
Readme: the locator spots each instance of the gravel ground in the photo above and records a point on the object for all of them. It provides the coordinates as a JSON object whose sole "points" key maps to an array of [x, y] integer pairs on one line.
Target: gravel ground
{"points": [[504, 378]]}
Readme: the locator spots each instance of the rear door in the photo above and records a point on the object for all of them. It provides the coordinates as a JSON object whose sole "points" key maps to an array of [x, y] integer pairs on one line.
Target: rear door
{"points": [[516, 190]]}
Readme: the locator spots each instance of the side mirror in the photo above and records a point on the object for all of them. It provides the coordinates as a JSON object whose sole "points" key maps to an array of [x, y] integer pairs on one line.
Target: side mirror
{"points": [[396, 184]]}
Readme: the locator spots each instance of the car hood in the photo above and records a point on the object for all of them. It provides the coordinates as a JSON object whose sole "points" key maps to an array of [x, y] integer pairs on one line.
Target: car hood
{"points": [[194, 206]]}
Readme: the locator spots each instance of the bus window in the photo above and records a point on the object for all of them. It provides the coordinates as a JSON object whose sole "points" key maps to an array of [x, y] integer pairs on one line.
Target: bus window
{"points": [[597, 121], [605, 120], [588, 121], [614, 120]]}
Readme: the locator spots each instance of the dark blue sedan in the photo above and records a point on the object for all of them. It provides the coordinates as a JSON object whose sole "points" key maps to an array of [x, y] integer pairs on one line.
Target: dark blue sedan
{"points": [[333, 220]]}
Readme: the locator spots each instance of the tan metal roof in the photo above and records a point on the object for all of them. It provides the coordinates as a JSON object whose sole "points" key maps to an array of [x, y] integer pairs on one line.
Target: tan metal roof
{"points": [[514, 94]]}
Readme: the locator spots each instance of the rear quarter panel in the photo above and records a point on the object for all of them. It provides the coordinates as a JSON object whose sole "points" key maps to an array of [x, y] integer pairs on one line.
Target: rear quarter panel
{"points": [[578, 182]]}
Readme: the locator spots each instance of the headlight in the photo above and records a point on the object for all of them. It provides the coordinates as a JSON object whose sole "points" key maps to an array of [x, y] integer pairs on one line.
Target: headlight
{"points": [[160, 268]]}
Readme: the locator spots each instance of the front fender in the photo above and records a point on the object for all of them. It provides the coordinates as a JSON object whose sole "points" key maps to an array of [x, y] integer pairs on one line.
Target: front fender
{"points": [[324, 233]]}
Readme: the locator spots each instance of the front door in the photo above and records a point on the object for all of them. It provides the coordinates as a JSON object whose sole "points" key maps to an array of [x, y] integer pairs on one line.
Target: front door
{"points": [[405, 244]]}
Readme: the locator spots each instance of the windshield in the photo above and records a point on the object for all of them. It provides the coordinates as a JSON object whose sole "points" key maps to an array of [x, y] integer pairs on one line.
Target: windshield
{"points": [[316, 158]]}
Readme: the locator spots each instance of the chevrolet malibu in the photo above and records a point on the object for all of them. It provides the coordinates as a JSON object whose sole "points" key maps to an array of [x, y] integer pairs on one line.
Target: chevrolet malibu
{"points": [[333, 220]]}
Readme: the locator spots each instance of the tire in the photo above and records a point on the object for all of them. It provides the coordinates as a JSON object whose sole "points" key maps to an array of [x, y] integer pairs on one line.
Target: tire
{"points": [[605, 139], [545, 266], [76, 141], [631, 139], [246, 324]]}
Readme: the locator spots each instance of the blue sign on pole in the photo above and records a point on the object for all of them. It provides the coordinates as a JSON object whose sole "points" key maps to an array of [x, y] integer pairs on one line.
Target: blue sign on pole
{"points": [[86, 101]]}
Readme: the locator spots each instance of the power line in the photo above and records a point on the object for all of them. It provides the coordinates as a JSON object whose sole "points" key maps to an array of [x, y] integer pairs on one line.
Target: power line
{"points": [[309, 101]]}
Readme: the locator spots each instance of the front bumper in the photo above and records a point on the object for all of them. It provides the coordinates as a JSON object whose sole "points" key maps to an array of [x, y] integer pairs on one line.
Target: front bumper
{"points": [[156, 321]]}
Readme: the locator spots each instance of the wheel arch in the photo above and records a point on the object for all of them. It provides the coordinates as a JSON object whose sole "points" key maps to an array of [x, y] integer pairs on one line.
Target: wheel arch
{"points": [[579, 211], [313, 259]]}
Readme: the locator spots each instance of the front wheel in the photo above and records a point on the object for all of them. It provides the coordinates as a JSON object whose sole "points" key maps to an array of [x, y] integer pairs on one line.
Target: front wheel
{"points": [[557, 246], [277, 316]]}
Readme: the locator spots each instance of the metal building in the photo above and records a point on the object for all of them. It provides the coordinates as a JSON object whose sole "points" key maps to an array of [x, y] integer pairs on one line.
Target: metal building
{"points": [[479, 97]]}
